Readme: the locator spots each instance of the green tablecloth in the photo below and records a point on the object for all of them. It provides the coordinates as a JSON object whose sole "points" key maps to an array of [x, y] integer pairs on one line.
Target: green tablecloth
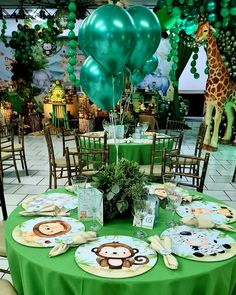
{"points": [[34, 273], [138, 152]]}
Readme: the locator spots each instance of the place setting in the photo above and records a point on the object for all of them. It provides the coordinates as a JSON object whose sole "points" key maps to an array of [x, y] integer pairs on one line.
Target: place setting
{"points": [[51, 204], [196, 235]]}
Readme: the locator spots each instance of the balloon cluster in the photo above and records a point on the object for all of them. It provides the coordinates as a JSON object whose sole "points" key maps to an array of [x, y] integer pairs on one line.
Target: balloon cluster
{"points": [[227, 46], [117, 46], [3, 32], [72, 42], [181, 19], [25, 39]]}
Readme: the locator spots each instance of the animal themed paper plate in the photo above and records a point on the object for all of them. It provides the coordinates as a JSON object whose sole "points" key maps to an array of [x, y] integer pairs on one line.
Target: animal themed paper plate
{"points": [[62, 200], [200, 244], [47, 231], [116, 257], [158, 190], [219, 213]]}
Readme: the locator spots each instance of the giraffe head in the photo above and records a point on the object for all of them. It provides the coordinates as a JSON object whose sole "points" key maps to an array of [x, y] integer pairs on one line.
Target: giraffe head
{"points": [[203, 31]]}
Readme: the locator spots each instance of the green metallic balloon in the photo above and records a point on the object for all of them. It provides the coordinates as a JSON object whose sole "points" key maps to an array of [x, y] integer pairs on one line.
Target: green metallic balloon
{"points": [[71, 25], [71, 35], [166, 20], [211, 5], [73, 44], [72, 61], [148, 35], [72, 15], [70, 69], [72, 77], [72, 7], [150, 65], [100, 86], [136, 77], [176, 12], [212, 17], [71, 52], [111, 37], [83, 38]]}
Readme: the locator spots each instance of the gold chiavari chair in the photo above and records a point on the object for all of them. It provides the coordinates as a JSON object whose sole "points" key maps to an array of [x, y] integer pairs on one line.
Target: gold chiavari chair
{"points": [[191, 169], [7, 155], [56, 164], [172, 144]]}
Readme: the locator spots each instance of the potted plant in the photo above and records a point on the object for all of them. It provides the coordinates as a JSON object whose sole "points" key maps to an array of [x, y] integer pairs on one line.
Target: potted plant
{"points": [[122, 183]]}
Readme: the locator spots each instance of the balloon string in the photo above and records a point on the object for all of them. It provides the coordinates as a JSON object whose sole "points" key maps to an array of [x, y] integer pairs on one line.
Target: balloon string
{"points": [[113, 121], [127, 102]]}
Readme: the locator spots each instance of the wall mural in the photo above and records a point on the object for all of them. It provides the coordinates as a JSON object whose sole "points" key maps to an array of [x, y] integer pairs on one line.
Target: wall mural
{"points": [[55, 69], [161, 76]]}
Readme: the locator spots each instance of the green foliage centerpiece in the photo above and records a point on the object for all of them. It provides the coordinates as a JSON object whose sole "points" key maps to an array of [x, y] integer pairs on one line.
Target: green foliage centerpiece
{"points": [[122, 183]]}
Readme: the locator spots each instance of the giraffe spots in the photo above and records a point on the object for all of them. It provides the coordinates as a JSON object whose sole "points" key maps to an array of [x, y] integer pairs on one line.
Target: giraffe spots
{"points": [[219, 87]]}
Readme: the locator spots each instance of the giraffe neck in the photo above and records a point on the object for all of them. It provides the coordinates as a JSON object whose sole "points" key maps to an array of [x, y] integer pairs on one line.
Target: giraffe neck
{"points": [[215, 62]]}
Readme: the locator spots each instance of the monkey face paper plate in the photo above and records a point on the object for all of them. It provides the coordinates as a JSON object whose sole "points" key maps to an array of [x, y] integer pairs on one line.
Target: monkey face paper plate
{"points": [[200, 244], [116, 257], [47, 231]]}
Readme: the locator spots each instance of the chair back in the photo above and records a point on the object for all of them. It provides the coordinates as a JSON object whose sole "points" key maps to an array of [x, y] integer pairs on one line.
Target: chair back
{"points": [[153, 124], [170, 144], [2, 200], [191, 169], [68, 138], [6, 145], [48, 138], [173, 127], [7, 157], [93, 150], [200, 139], [21, 131]]}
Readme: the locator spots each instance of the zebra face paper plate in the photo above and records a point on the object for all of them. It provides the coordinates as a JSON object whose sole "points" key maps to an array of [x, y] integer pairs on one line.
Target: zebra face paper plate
{"points": [[116, 257], [219, 213], [200, 244]]}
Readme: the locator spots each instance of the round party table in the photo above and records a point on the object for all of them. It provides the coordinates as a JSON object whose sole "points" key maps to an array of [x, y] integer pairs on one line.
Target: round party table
{"points": [[34, 273], [138, 150]]}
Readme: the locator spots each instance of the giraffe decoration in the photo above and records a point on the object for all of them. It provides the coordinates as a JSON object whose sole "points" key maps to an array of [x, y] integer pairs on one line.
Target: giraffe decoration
{"points": [[220, 91]]}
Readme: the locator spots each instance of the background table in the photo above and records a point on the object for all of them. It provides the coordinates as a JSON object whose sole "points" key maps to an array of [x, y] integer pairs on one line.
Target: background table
{"points": [[138, 151], [34, 273]]}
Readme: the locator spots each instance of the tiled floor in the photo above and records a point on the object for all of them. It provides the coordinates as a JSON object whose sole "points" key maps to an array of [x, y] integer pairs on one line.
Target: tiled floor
{"points": [[218, 181]]}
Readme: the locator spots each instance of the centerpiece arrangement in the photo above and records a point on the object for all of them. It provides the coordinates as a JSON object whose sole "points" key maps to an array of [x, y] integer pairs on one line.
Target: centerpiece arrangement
{"points": [[122, 183]]}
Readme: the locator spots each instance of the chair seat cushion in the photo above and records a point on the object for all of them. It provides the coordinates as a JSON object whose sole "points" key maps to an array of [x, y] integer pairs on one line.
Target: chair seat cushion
{"points": [[6, 288], [2, 243], [17, 147], [61, 162], [5, 156], [187, 161], [73, 150]]}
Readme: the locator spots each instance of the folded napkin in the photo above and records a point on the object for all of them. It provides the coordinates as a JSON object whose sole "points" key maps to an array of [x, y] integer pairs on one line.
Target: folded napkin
{"points": [[80, 238], [202, 221], [47, 210], [189, 198], [163, 247]]}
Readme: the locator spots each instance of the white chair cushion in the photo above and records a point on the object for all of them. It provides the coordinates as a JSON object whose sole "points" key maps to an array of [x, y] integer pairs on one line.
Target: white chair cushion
{"points": [[61, 162], [5, 156], [2, 242], [17, 147], [6, 288]]}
